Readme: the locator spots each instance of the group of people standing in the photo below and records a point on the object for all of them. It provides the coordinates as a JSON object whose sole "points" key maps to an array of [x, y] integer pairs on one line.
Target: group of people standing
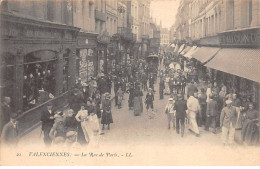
{"points": [[89, 108], [209, 105]]}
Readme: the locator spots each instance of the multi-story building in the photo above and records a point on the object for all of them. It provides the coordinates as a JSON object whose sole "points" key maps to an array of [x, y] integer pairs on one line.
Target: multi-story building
{"points": [[84, 18], [182, 20], [38, 56], [154, 38], [165, 37], [227, 35], [111, 13], [144, 24]]}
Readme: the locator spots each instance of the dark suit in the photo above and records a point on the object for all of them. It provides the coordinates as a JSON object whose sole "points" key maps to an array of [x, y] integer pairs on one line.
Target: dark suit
{"points": [[211, 114], [180, 107], [5, 115], [47, 124]]}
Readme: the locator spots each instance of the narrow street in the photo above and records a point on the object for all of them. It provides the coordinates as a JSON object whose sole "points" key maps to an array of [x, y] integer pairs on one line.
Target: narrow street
{"points": [[142, 136]]}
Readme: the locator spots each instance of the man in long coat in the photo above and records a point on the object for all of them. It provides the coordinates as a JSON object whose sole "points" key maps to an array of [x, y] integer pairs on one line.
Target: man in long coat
{"points": [[180, 107], [47, 118]]}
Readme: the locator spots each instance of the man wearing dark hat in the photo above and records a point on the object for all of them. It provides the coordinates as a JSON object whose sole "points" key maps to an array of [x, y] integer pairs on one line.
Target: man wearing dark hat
{"points": [[10, 131], [47, 118], [180, 107]]}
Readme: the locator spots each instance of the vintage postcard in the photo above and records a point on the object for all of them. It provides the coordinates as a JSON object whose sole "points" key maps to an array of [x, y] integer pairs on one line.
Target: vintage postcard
{"points": [[130, 82]]}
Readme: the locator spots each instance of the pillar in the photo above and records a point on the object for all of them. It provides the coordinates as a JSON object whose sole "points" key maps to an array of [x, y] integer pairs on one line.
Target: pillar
{"points": [[95, 61], [59, 74], [18, 86], [72, 67]]}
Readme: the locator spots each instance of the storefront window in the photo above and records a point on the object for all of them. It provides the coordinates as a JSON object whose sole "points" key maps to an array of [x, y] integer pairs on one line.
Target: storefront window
{"points": [[39, 78], [7, 76]]}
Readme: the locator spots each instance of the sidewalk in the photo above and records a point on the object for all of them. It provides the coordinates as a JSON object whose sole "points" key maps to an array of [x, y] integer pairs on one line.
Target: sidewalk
{"points": [[36, 129]]}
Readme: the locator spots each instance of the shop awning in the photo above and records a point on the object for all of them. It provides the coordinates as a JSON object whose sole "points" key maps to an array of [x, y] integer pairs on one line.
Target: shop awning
{"points": [[173, 45], [181, 48], [241, 62], [191, 51], [176, 48], [205, 53], [185, 50]]}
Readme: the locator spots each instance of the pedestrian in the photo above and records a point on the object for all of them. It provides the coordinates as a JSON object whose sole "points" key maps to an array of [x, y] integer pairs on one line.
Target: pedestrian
{"points": [[85, 92], [76, 99], [203, 105], [193, 111], [250, 130], [138, 105], [120, 95], [5, 112], [70, 121], [151, 81], [181, 108], [170, 112], [161, 87], [209, 91], [58, 129], [211, 114], [10, 134], [131, 96], [192, 89], [106, 112], [167, 88], [149, 101], [228, 122], [82, 117], [47, 118]]}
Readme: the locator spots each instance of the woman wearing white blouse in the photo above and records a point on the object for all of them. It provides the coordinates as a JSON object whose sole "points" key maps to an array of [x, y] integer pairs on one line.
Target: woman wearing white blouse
{"points": [[82, 116]]}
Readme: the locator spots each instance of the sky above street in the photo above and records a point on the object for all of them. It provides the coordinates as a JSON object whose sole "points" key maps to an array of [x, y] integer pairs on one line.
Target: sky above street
{"points": [[164, 10]]}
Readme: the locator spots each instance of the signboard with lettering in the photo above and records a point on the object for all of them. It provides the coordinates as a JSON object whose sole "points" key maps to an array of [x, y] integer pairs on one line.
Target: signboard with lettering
{"points": [[250, 37]]}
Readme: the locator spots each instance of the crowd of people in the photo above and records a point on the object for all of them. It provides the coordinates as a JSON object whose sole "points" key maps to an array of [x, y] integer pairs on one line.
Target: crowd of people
{"points": [[208, 104], [192, 102]]}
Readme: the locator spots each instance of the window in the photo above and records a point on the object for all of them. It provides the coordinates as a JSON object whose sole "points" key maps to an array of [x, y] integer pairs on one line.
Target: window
{"points": [[39, 77], [250, 12], [7, 62], [230, 15], [90, 9], [50, 10]]}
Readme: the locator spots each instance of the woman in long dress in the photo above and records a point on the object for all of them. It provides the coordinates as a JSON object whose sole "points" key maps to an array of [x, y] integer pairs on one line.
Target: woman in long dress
{"points": [[138, 107], [106, 112]]}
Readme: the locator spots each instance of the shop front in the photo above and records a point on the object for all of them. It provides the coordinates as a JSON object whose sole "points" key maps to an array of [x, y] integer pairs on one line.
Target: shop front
{"points": [[87, 56], [103, 53], [37, 65], [235, 62]]}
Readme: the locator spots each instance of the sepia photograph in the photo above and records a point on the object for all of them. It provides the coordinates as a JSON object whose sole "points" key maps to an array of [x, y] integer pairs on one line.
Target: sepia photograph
{"points": [[129, 82]]}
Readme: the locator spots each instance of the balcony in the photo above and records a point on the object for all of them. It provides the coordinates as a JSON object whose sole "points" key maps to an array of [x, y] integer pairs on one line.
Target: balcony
{"points": [[100, 15]]}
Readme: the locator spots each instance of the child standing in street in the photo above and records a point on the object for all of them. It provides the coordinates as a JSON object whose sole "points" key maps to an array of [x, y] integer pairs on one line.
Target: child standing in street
{"points": [[120, 95], [149, 101]]}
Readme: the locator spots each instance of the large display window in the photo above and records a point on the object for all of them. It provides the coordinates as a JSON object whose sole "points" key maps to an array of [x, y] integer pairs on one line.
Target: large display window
{"points": [[7, 63], [39, 78]]}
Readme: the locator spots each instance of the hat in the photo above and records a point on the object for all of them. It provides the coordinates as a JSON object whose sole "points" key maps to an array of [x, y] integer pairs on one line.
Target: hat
{"points": [[170, 99], [150, 89], [84, 84], [228, 101], [13, 116], [71, 133], [179, 95]]}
